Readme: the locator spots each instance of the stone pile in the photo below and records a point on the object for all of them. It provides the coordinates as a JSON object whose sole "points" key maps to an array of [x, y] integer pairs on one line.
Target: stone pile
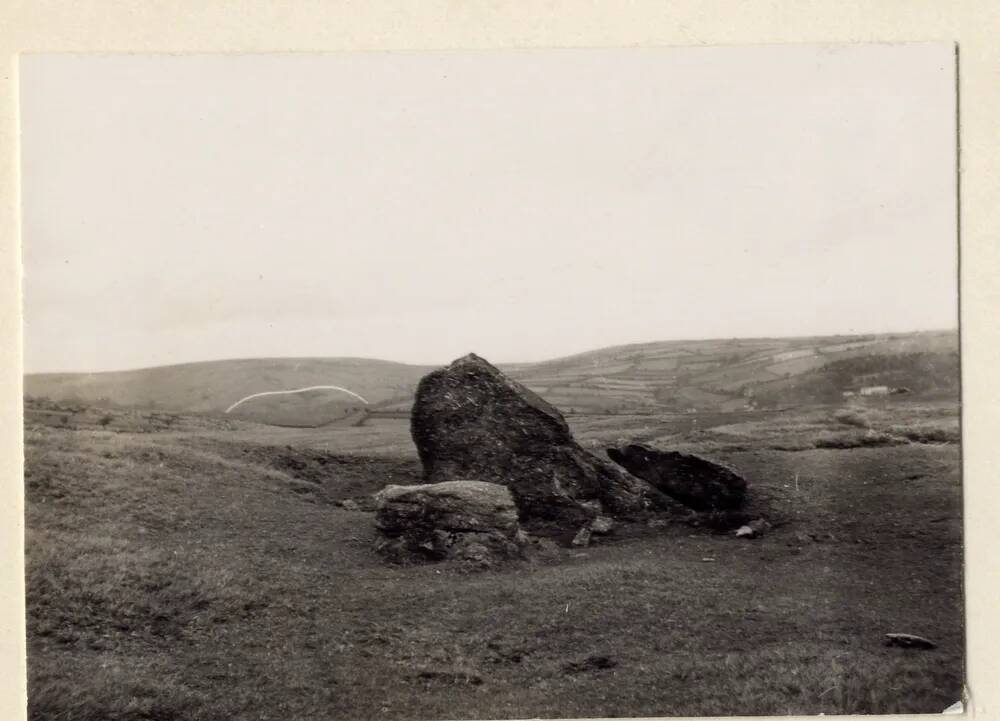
{"points": [[499, 463], [469, 420]]}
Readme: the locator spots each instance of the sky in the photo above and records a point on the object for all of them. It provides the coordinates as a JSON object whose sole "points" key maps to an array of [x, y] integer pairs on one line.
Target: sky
{"points": [[523, 205]]}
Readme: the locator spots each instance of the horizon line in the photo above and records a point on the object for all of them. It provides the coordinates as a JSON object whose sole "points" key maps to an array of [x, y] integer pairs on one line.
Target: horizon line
{"points": [[138, 369]]}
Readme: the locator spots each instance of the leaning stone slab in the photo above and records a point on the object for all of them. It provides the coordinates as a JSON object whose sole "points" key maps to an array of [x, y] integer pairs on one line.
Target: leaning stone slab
{"points": [[694, 481]]}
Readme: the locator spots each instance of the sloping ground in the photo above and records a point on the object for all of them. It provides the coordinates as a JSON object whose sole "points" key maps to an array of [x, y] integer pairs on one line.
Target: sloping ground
{"points": [[198, 575]]}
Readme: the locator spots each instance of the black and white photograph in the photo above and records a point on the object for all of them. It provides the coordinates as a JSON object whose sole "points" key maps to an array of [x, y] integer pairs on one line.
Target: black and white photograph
{"points": [[492, 384]]}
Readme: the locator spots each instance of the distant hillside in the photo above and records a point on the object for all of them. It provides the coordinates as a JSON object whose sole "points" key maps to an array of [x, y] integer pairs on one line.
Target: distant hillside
{"points": [[732, 374], [214, 386], [921, 374], [669, 376]]}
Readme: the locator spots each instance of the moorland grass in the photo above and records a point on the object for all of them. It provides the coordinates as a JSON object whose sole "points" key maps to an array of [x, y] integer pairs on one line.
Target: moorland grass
{"points": [[208, 575]]}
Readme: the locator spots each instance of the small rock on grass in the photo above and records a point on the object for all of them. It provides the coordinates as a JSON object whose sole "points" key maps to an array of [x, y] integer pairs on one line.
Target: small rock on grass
{"points": [[908, 640], [582, 537], [754, 529], [601, 525]]}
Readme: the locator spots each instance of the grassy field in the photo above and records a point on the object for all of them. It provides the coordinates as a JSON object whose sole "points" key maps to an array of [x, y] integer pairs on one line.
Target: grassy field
{"points": [[205, 569]]}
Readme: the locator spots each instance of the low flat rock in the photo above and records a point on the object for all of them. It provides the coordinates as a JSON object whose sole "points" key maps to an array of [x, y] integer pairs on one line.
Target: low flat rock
{"points": [[470, 420], [450, 506], [466, 520], [694, 481]]}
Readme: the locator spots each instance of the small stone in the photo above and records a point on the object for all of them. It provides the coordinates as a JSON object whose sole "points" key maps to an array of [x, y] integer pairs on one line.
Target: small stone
{"points": [[602, 524], [759, 526], [754, 529], [582, 537], [348, 505], [908, 640]]}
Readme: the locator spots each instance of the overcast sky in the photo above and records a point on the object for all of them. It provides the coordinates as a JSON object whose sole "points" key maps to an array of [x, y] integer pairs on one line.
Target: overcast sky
{"points": [[523, 205]]}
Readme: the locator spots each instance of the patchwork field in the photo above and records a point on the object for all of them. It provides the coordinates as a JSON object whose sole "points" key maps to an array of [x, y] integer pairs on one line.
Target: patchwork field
{"points": [[666, 376], [192, 567]]}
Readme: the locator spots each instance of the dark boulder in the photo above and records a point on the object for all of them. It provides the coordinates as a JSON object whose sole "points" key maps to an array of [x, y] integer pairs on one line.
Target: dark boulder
{"points": [[469, 420], [694, 481], [464, 520]]}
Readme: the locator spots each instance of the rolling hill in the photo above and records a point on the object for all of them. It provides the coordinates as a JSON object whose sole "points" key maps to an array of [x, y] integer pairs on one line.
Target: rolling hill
{"points": [[668, 376], [732, 374], [213, 386]]}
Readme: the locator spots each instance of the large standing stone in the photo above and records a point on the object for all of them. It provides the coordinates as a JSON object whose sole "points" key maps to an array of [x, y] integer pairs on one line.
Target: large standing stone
{"points": [[692, 480], [467, 520], [471, 421]]}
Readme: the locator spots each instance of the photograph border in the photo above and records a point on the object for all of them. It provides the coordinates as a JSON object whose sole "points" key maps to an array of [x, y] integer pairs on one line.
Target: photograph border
{"points": [[211, 26]]}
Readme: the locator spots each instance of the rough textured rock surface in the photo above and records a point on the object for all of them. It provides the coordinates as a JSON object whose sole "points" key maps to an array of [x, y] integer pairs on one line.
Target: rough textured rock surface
{"points": [[469, 420], [466, 520], [694, 481]]}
